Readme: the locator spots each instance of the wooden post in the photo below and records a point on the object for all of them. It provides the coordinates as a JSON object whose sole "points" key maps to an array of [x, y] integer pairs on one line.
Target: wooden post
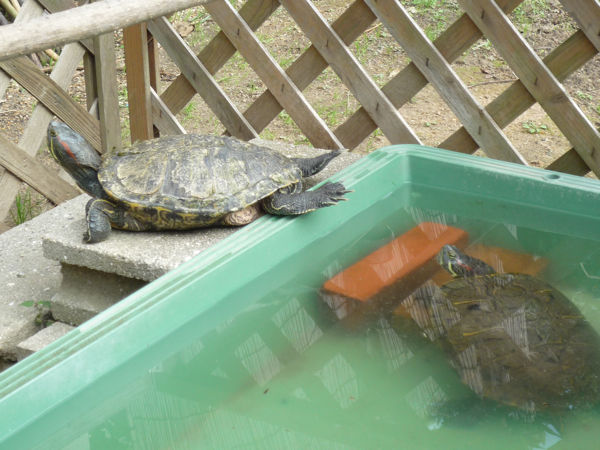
{"points": [[138, 82], [108, 97]]}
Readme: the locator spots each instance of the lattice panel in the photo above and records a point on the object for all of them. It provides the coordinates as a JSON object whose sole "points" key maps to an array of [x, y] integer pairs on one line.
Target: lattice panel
{"points": [[482, 127]]}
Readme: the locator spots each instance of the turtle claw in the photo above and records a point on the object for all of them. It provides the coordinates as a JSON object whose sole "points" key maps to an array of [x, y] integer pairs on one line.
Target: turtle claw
{"points": [[330, 193]]}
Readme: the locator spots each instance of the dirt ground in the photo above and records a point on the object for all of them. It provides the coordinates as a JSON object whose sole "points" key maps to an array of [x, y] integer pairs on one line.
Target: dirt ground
{"points": [[543, 23]]}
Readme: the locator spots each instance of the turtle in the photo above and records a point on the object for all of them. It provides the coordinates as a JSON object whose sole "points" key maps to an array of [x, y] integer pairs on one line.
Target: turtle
{"points": [[187, 181], [513, 338]]}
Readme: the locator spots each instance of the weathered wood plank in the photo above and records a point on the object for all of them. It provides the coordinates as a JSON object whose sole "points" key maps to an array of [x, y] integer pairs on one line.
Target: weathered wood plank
{"points": [[310, 64], [409, 81], [350, 71], [202, 81], [539, 81], [36, 127], [89, 65], [135, 42], [216, 53], [516, 99], [280, 85], [53, 97], [587, 16], [62, 74], [35, 131], [108, 97], [449, 86], [153, 62], [85, 21], [163, 118], [569, 162], [34, 173], [91, 84]]}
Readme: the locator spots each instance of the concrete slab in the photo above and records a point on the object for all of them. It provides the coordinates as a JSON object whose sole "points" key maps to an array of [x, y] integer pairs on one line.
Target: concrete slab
{"points": [[41, 339], [17, 323], [85, 293], [147, 256], [27, 275]]}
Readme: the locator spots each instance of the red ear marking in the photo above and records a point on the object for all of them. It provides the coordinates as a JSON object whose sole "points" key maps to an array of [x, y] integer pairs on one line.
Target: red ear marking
{"points": [[67, 148], [467, 267]]}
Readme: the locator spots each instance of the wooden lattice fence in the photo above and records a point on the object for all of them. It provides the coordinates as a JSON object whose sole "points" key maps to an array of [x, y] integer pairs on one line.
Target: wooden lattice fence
{"points": [[539, 81]]}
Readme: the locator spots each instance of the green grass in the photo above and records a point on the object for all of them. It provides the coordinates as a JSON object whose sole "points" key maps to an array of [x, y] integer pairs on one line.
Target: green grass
{"points": [[25, 208], [583, 96], [533, 128], [44, 318], [528, 12], [189, 111]]}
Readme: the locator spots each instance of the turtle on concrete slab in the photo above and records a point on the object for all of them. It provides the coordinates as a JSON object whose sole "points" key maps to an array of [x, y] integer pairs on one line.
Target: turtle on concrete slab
{"points": [[188, 181], [513, 338]]}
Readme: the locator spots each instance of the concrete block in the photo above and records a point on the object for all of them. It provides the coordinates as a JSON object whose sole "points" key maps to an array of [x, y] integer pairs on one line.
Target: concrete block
{"points": [[17, 323], [85, 293], [41, 339]]}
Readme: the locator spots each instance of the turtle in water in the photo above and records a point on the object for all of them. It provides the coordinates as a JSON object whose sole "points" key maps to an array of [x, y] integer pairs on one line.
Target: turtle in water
{"points": [[511, 337], [187, 181]]}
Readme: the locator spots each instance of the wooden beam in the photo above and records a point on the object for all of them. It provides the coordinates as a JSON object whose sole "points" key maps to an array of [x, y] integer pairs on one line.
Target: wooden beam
{"points": [[55, 6], [62, 74], [82, 22], [89, 65], [280, 85], [569, 162], [135, 42], [449, 86], [47, 91], [350, 71], [108, 97], [202, 81], [537, 78], [34, 173], [216, 53], [153, 62], [452, 43], [163, 118]]}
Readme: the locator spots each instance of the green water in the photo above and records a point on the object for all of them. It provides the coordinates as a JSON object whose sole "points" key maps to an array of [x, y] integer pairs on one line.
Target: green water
{"points": [[281, 372]]}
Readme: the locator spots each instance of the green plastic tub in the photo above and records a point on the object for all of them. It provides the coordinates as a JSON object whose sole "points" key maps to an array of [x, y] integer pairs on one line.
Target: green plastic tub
{"points": [[235, 349]]}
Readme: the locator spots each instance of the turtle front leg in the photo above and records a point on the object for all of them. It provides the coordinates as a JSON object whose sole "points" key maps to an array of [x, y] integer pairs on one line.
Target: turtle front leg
{"points": [[103, 215], [291, 202]]}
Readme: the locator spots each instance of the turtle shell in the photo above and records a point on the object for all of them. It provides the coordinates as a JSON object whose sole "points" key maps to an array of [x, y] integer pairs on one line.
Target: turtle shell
{"points": [[197, 178], [515, 339]]}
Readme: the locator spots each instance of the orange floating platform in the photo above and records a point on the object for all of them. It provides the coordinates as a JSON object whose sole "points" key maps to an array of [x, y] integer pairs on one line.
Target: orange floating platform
{"points": [[381, 280]]}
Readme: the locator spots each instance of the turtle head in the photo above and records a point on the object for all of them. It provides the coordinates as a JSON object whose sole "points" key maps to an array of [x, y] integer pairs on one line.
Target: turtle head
{"points": [[459, 264], [76, 156]]}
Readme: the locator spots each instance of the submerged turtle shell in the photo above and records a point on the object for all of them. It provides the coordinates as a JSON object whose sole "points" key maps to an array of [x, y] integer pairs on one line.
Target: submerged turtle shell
{"points": [[199, 178], [515, 339]]}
